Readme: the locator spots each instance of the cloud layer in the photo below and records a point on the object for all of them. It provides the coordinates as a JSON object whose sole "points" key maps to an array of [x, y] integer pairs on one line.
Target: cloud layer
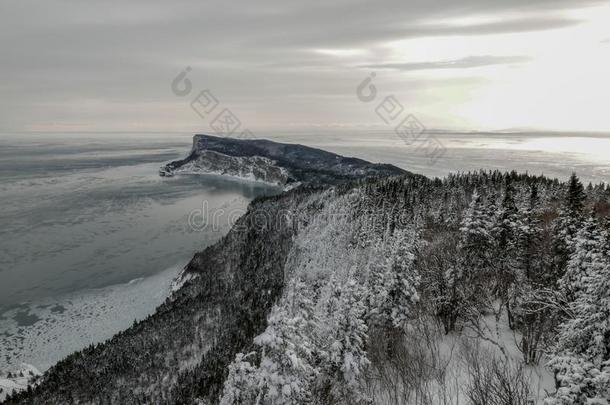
{"points": [[107, 65], [463, 63]]}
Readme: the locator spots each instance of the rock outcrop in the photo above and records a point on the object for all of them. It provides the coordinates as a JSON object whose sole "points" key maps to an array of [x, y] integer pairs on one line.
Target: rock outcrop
{"points": [[285, 165]]}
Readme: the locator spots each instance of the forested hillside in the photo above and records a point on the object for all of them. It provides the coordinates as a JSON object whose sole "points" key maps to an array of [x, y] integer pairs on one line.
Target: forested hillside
{"points": [[385, 291]]}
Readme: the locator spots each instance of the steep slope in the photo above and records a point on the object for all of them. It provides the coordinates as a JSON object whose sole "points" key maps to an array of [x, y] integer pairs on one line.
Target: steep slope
{"points": [[223, 309], [314, 295], [184, 348], [273, 162]]}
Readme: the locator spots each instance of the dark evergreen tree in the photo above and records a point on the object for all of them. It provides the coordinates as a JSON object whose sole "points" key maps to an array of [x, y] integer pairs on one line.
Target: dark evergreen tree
{"points": [[575, 198], [566, 226]]}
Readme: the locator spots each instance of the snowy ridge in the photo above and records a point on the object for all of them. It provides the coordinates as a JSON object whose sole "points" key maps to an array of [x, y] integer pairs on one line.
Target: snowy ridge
{"points": [[18, 380], [286, 165], [393, 291], [251, 168]]}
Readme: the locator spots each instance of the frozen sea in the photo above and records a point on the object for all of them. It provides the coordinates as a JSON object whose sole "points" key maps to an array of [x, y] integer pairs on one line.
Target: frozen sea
{"points": [[91, 237], [555, 155]]}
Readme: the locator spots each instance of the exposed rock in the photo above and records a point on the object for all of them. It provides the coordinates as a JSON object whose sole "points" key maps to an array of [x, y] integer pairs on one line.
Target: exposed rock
{"points": [[281, 164]]}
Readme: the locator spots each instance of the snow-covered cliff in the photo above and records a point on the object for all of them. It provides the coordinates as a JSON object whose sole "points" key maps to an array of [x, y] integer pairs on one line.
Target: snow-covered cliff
{"points": [[254, 168], [397, 290], [285, 165]]}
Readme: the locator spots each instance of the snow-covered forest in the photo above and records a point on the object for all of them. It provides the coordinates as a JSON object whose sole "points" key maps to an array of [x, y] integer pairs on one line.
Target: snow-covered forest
{"points": [[479, 288], [383, 266]]}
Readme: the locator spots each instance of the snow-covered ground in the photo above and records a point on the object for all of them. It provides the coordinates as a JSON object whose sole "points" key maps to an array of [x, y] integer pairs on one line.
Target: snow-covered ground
{"points": [[18, 379], [494, 338], [42, 333], [445, 375]]}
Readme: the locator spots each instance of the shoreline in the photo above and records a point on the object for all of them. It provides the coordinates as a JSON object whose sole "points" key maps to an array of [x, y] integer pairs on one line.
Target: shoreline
{"points": [[41, 333]]}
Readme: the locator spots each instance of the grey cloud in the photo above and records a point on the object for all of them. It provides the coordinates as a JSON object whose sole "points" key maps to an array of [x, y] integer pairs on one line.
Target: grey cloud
{"points": [[61, 50], [463, 63], [500, 27], [365, 34]]}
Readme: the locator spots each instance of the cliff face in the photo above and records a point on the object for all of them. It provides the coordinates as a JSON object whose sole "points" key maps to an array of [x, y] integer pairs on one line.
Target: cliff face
{"points": [[312, 286], [255, 168], [298, 279], [184, 349], [181, 354], [282, 164]]}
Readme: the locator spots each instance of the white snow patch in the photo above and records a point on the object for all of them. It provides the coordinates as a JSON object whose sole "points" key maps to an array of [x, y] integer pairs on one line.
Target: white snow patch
{"points": [[180, 280], [499, 340], [249, 177], [18, 379], [235, 167]]}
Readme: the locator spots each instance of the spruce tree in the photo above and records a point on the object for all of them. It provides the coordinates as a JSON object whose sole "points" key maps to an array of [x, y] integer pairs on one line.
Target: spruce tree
{"points": [[575, 198], [566, 226], [588, 246], [506, 224], [582, 357], [345, 356], [475, 231]]}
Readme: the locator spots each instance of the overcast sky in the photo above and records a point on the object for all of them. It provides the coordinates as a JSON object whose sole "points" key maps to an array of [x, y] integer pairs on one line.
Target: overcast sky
{"points": [[484, 64]]}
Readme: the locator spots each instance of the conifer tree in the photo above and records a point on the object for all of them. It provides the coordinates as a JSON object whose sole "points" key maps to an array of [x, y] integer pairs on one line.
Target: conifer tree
{"points": [[575, 197], [504, 230], [475, 231], [476, 244], [285, 372], [582, 356], [529, 250], [345, 356], [566, 226], [588, 246]]}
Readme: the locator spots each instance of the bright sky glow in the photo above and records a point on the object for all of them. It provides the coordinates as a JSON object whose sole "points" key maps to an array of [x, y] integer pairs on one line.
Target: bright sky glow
{"points": [[476, 65]]}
